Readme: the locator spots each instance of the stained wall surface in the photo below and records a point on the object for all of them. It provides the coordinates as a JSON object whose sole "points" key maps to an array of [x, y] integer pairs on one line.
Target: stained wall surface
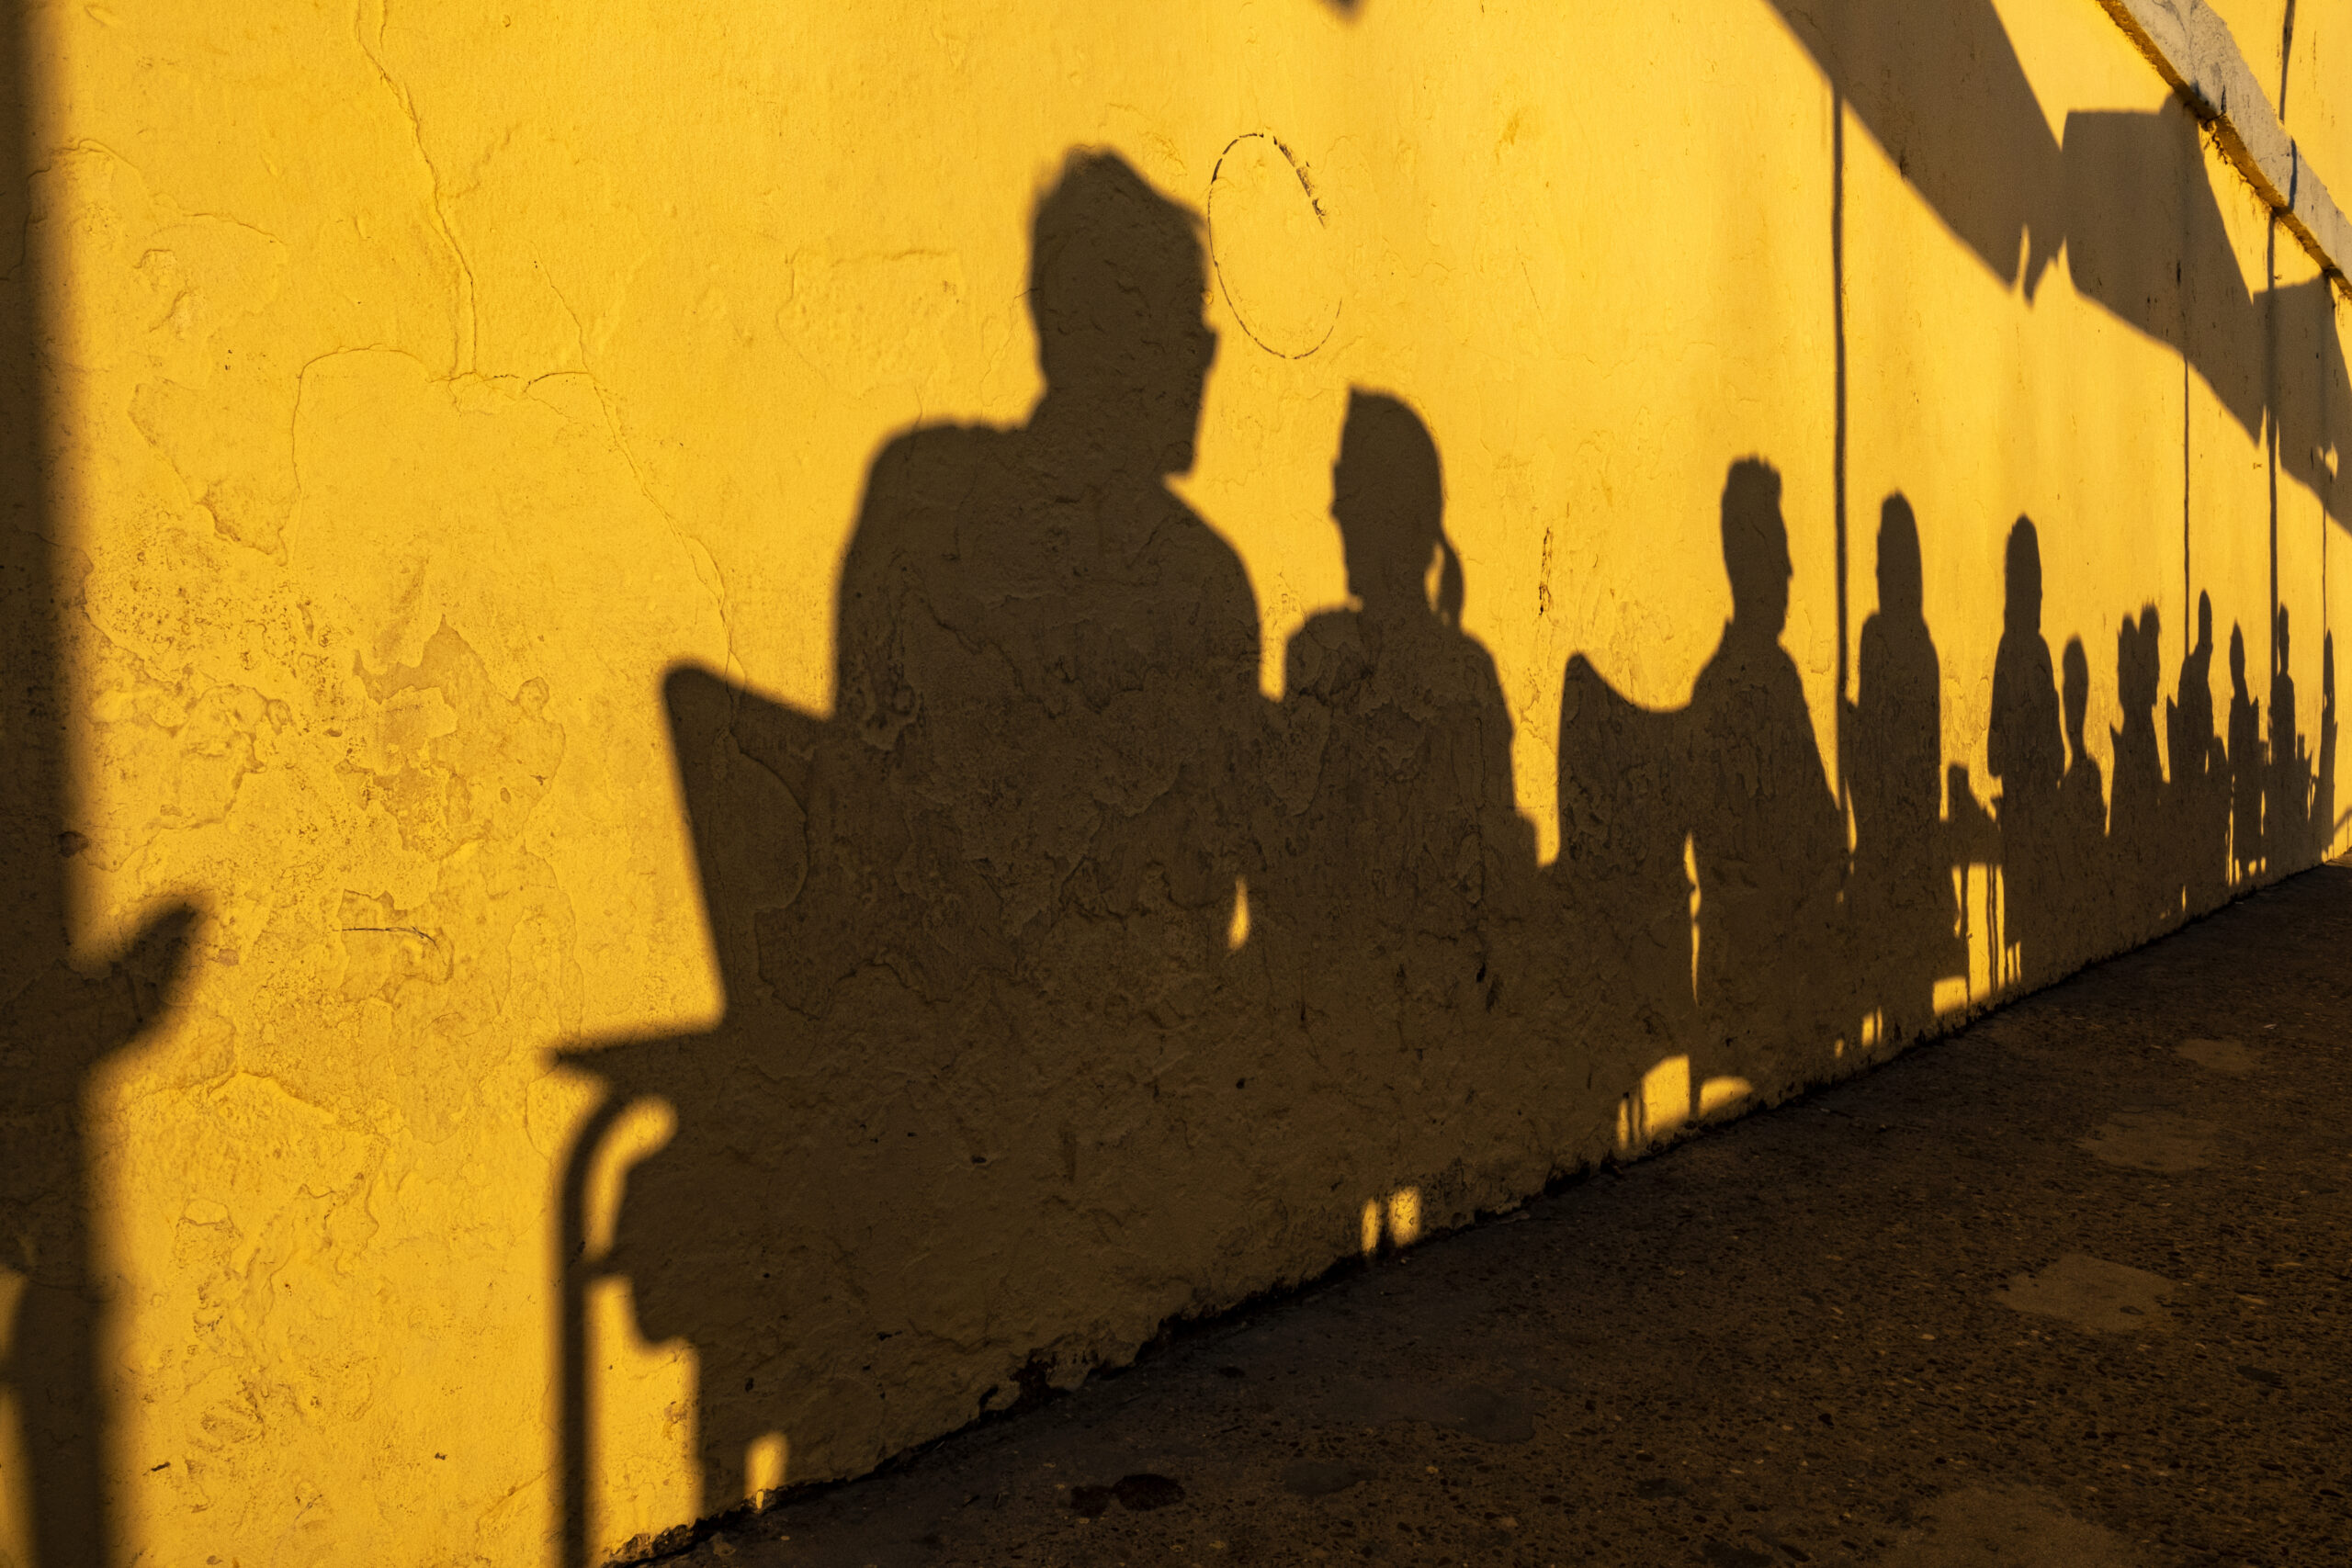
{"points": [[744, 731], [2290, 46]]}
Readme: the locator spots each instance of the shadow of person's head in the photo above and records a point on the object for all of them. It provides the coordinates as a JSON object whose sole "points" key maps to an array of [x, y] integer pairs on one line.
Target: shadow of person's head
{"points": [[2282, 639], [2022, 611], [1899, 591], [1388, 498], [1116, 284], [2204, 623], [2074, 692], [2237, 659], [2136, 644], [1756, 549]]}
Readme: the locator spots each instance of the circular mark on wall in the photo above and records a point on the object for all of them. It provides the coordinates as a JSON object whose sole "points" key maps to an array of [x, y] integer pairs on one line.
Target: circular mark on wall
{"points": [[1270, 245]]}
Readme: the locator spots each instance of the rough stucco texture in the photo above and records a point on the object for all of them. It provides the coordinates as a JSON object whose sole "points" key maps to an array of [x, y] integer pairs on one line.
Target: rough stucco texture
{"points": [[852, 701]]}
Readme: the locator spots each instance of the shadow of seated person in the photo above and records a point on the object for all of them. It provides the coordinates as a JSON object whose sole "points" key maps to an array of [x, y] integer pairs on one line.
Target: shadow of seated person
{"points": [[2139, 895], [2081, 832], [1000, 877], [1049, 660], [2289, 803], [2198, 790], [1901, 902], [1619, 918], [2247, 770], [1409, 858], [1767, 838], [2025, 754]]}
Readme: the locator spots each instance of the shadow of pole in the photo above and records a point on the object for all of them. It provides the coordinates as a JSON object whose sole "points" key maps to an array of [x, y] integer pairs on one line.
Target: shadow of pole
{"points": [[1838, 457], [576, 1434], [49, 1363], [59, 1025]]}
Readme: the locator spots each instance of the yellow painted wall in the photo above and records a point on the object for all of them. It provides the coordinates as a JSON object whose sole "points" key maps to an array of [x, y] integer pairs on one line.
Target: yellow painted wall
{"points": [[418, 388], [2317, 112], [2299, 45]]}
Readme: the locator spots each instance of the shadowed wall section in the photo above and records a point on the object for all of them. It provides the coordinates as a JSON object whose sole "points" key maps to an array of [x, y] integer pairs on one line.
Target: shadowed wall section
{"points": [[860, 705]]}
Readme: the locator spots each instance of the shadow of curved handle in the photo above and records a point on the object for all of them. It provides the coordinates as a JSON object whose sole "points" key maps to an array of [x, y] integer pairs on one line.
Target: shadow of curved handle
{"points": [[578, 1271]]}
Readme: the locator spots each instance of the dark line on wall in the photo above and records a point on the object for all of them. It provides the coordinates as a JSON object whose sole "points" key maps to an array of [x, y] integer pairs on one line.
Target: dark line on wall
{"points": [[2187, 578], [576, 1431], [2286, 55], [2189, 175], [1838, 459], [2270, 419], [399, 930]]}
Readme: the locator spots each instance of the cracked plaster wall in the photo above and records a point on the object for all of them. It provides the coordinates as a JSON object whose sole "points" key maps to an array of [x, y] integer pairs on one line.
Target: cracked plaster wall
{"points": [[429, 380]]}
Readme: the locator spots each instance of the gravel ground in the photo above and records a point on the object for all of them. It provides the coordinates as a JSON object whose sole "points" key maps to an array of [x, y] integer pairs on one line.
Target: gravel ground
{"points": [[2065, 1289]]}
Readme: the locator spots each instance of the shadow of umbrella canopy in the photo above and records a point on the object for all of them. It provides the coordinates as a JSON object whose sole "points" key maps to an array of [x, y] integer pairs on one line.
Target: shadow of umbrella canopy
{"points": [[2144, 238], [1939, 85]]}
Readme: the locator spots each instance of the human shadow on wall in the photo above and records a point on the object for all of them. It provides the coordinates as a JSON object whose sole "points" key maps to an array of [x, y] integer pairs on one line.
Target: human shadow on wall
{"points": [[2141, 879], [2286, 803], [2199, 788], [1702, 861], [1052, 951], [986, 901], [2245, 767], [1767, 838], [2082, 797], [1813, 947], [1892, 745], [1051, 954], [1710, 825], [61, 1023], [2132, 201], [2026, 755], [2081, 873], [2266, 804], [1404, 854]]}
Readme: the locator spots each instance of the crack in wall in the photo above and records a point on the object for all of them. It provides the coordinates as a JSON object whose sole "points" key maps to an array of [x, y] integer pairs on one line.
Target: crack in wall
{"points": [[441, 222], [699, 556]]}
